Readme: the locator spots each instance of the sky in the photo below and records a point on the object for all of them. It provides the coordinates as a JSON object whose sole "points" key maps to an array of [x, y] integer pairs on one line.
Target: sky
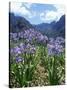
{"points": [[38, 13]]}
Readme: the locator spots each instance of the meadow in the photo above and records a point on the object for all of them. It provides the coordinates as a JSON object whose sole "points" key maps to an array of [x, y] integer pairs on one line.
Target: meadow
{"points": [[36, 60]]}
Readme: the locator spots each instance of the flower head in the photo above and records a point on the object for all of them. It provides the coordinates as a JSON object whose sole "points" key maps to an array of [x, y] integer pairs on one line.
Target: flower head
{"points": [[19, 59]]}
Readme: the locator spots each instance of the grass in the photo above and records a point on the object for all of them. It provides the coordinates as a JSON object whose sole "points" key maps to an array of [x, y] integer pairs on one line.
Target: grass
{"points": [[38, 69]]}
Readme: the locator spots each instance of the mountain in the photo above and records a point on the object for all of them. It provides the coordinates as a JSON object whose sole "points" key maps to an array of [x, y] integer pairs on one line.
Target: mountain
{"points": [[18, 23], [59, 27], [53, 29]]}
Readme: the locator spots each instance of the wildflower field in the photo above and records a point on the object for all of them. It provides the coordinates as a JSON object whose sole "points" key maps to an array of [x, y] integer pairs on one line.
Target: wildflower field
{"points": [[36, 60]]}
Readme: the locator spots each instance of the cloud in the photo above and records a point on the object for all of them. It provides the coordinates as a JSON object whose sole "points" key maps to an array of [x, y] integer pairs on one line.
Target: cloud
{"points": [[48, 16], [60, 10], [27, 5], [51, 15], [23, 9]]}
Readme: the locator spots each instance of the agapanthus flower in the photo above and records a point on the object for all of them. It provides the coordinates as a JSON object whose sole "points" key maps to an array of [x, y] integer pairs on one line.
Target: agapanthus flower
{"points": [[19, 59], [22, 47], [29, 35], [17, 50], [54, 49], [60, 40], [58, 48], [50, 49], [33, 50], [30, 49]]}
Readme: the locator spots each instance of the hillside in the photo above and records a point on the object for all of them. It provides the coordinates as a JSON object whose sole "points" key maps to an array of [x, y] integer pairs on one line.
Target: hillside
{"points": [[18, 23], [54, 29]]}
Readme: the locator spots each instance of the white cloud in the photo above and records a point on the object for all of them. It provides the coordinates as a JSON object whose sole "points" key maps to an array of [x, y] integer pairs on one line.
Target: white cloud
{"points": [[60, 10], [28, 5], [49, 16], [22, 9], [14, 7]]}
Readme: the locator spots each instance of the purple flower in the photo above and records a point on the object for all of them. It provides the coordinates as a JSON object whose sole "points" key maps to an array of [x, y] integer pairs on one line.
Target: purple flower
{"points": [[30, 49], [17, 50], [20, 35], [19, 59], [59, 40], [22, 47], [54, 49], [50, 48], [33, 50], [28, 46], [59, 48]]}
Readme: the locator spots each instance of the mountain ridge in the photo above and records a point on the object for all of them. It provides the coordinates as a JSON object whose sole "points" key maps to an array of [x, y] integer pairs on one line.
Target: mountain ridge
{"points": [[54, 29]]}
